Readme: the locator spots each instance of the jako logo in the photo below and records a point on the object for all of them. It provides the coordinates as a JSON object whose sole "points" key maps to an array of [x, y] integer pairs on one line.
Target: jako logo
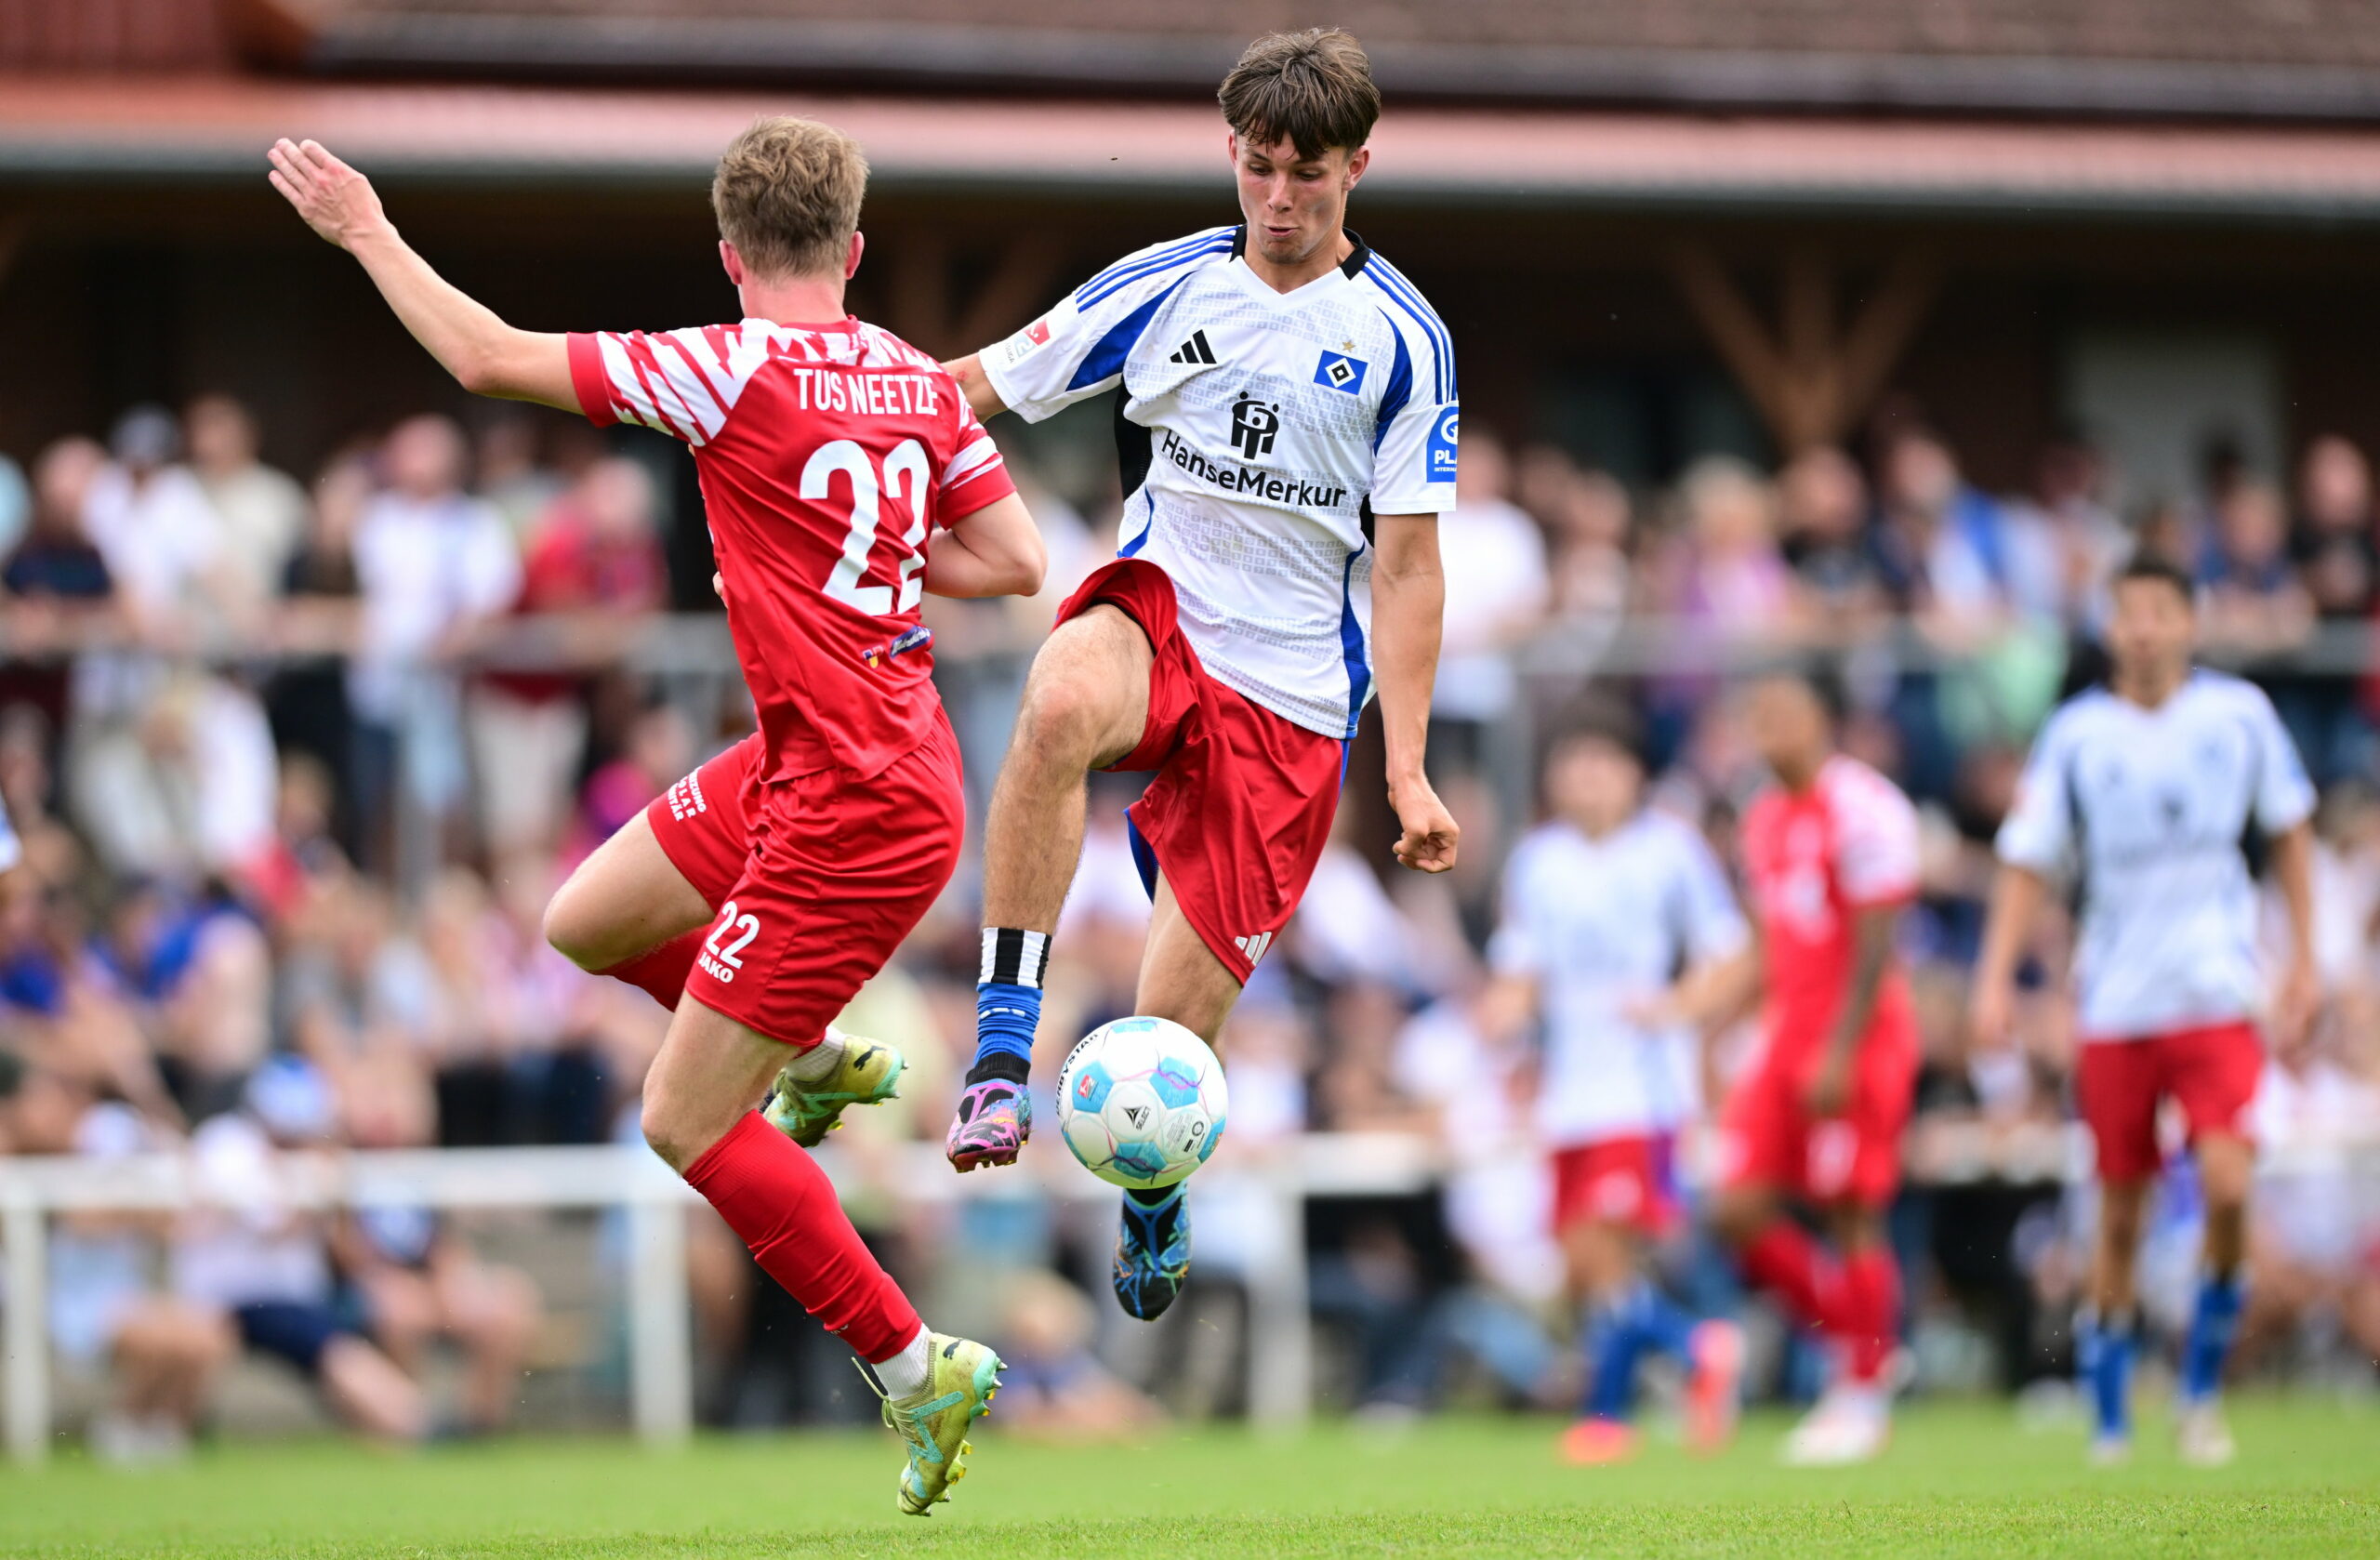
{"points": [[1444, 438], [1254, 426]]}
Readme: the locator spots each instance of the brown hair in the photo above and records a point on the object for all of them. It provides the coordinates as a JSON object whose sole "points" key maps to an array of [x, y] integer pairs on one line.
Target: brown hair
{"points": [[1312, 89], [788, 194]]}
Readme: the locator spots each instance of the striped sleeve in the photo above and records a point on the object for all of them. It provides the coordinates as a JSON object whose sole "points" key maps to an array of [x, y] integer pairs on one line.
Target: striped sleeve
{"points": [[678, 382], [975, 475], [1078, 348]]}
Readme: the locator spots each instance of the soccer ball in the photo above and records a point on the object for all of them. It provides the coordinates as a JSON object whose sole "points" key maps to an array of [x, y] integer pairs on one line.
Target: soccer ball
{"points": [[1140, 1102]]}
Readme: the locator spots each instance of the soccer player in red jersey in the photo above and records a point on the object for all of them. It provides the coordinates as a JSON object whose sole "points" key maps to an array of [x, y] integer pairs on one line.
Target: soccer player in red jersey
{"points": [[828, 451], [1830, 852]]}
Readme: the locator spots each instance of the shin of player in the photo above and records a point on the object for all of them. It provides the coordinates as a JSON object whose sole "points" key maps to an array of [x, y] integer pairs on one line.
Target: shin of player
{"points": [[830, 452], [1619, 935], [2141, 797], [1830, 852], [1288, 436]]}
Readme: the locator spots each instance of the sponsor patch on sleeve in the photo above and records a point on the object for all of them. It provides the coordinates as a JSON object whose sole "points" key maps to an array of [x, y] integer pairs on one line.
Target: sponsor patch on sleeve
{"points": [[1438, 455]]}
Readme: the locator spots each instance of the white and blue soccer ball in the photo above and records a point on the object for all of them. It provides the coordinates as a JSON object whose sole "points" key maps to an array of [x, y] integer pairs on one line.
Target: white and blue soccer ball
{"points": [[1142, 1102]]}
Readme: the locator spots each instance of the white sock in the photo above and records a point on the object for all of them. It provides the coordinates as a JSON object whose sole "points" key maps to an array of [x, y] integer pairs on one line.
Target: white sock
{"points": [[818, 1063], [905, 1374]]}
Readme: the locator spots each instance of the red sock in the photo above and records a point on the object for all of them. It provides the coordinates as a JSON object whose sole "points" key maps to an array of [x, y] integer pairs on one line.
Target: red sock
{"points": [[661, 972], [1783, 1260], [1869, 1313], [780, 1202]]}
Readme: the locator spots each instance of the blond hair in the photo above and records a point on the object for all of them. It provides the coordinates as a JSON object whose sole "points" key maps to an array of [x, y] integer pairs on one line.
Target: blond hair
{"points": [[788, 194]]}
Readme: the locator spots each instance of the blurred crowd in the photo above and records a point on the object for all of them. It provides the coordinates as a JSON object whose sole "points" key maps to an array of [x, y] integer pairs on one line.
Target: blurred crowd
{"points": [[297, 765]]}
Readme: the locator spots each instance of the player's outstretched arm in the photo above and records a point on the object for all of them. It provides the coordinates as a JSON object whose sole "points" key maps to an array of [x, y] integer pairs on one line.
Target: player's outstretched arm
{"points": [[484, 355], [2016, 893], [994, 551], [976, 385], [1409, 605]]}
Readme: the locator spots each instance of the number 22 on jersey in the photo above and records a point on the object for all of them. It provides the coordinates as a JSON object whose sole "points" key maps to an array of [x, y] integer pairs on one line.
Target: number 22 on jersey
{"points": [[904, 477]]}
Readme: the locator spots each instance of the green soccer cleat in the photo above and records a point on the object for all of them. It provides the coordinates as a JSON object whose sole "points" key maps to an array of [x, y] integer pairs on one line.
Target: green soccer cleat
{"points": [[934, 1421], [869, 1075]]}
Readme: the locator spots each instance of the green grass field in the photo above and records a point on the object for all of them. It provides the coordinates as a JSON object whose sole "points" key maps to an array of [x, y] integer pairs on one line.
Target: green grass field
{"points": [[1961, 1480]]}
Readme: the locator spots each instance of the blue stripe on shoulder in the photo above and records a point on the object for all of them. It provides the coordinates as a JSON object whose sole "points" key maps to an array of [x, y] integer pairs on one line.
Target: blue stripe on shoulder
{"points": [[1117, 280], [1131, 262], [1403, 294], [1106, 355], [1399, 391]]}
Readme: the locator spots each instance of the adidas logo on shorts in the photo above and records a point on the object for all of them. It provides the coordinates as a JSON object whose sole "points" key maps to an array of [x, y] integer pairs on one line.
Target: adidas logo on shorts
{"points": [[1254, 946]]}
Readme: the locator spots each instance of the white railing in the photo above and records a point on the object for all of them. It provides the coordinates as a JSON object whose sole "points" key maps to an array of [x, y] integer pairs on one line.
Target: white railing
{"points": [[1280, 1354]]}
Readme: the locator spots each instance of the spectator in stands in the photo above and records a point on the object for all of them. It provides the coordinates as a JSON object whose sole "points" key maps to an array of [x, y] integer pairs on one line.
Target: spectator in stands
{"points": [[436, 568], [194, 972], [57, 583], [357, 997], [258, 511], [2333, 547], [16, 505], [316, 623], [1498, 592], [2254, 601], [151, 521], [594, 570], [414, 1282], [1732, 580], [2088, 542], [1056, 1389], [1823, 537], [659, 748], [1587, 516], [247, 1252], [162, 1351], [506, 471]]}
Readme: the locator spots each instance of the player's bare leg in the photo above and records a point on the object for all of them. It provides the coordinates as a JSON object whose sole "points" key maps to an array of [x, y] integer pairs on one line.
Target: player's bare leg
{"points": [[629, 912], [1182, 980], [1086, 703], [699, 1117], [2225, 1168], [2108, 1336], [626, 902]]}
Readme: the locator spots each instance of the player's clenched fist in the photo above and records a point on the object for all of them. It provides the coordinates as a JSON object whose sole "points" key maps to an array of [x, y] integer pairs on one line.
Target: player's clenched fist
{"points": [[335, 201], [1429, 831]]}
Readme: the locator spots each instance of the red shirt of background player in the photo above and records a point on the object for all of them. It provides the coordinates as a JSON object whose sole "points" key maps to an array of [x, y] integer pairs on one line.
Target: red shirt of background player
{"points": [[827, 454], [1848, 843]]}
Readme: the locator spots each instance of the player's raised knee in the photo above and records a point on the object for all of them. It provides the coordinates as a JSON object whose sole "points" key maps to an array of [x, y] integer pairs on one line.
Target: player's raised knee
{"points": [[575, 927], [1066, 716]]}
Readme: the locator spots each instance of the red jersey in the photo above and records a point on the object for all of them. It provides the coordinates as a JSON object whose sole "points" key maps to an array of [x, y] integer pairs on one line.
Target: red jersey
{"points": [[828, 454], [1847, 843]]}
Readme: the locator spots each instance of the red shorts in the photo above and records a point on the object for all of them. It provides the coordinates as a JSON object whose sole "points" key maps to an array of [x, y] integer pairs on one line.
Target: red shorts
{"points": [[837, 872], [1768, 1137], [2211, 1072], [704, 821], [1616, 1180], [1241, 805]]}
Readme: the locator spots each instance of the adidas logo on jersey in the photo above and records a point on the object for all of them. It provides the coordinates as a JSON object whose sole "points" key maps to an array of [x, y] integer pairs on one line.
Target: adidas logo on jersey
{"points": [[1254, 946], [1194, 350]]}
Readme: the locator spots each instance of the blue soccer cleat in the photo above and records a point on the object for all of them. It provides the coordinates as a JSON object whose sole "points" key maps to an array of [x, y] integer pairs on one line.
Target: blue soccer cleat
{"points": [[1152, 1253]]}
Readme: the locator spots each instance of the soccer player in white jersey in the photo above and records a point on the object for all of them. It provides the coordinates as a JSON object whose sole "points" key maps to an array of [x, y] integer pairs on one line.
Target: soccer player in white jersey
{"points": [[1618, 931], [2145, 796], [1287, 428]]}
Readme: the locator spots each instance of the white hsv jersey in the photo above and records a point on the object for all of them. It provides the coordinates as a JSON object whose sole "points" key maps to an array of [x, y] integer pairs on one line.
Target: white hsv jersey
{"points": [[1600, 924], [2146, 813], [1259, 431]]}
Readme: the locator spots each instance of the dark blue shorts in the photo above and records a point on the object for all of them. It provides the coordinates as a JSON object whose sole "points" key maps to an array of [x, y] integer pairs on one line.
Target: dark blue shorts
{"points": [[294, 1330]]}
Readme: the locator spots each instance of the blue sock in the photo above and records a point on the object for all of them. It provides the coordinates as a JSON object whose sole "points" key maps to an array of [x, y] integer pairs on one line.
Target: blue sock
{"points": [[2214, 1322], [1615, 1338], [1667, 1325], [1008, 1003], [2103, 1358]]}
